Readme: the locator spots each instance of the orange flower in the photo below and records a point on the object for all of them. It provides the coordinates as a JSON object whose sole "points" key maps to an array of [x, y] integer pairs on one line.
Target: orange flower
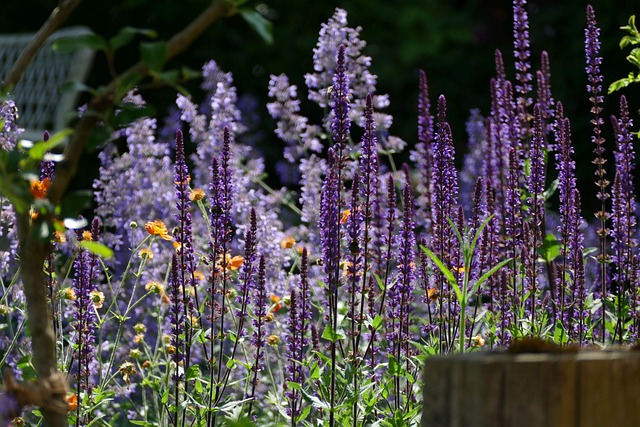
{"points": [[72, 401], [277, 305], [59, 236], [287, 243], [158, 228], [196, 194], [39, 188], [86, 235], [345, 216], [233, 263]]}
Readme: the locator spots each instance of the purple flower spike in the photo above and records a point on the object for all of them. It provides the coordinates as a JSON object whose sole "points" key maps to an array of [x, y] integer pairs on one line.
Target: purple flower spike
{"points": [[522, 52], [340, 124]]}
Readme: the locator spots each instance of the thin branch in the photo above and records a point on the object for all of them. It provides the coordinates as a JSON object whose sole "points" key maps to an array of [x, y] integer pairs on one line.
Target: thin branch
{"points": [[58, 17]]}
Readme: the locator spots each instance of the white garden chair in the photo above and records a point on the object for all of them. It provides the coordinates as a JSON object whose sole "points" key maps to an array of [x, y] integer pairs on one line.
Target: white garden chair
{"points": [[41, 104]]}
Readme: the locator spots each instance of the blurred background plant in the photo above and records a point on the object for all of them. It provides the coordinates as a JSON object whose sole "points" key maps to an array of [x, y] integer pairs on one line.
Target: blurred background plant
{"points": [[453, 41]]}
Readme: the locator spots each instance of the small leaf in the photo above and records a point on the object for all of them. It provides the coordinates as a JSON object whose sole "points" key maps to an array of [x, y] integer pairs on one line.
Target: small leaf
{"points": [[446, 272], [259, 24], [41, 148], [89, 41], [330, 335], [74, 203], [550, 248], [154, 55], [127, 34], [376, 322], [96, 248], [488, 274]]}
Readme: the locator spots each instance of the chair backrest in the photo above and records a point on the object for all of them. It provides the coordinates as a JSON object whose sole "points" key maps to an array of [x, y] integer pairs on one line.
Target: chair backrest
{"points": [[41, 104]]}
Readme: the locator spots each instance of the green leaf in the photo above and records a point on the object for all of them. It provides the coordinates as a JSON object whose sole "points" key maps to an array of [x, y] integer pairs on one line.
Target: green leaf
{"points": [[488, 274], [314, 400], [77, 86], [129, 113], [330, 335], [259, 24], [314, 372], [376, 322], [445, 270], [192, 372], [96, 248], [41, 148], [98, 135], [154, 55], [127, 34], [550, 248], [88, 41]]}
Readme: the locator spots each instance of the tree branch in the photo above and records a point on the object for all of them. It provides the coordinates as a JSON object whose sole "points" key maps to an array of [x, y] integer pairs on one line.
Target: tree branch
{"points": [[66, 169], [58, 17], [33, 248]]}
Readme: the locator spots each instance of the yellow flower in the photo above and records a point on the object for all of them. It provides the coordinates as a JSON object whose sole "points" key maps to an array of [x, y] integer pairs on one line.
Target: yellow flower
{"points": [[273, 340], [39, 188], [140, 328], [287, 243], [196, 194], [478, 341], [60, 237], [154, 287], [158, 228], [97, 298], [69, 293], [86, 235], [145, 253]]}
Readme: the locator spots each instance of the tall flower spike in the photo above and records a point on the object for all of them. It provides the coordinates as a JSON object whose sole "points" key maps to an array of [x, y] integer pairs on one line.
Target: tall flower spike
{"points": [[545, 98], [594, 88], [522, 52], [623, 208], [340, 124], [423, 154]]}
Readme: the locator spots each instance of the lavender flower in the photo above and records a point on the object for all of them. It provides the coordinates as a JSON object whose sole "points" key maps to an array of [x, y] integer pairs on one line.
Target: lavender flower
{"points": [[10, 131], [260, 311], [422, 156], [176, 319], [521, 50], [295, 356], [362, 82], [594, 88], [623, 208], [184, 239], [86, 268], [545, 98], [570, 234], [294, 129]]}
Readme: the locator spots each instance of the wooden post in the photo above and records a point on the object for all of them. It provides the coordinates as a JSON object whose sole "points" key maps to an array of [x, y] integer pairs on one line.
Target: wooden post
{"points": [[584, 389]]}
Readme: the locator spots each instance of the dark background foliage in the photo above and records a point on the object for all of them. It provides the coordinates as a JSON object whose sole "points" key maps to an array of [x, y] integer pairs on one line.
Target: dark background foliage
{"points": [[452, 40]]}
